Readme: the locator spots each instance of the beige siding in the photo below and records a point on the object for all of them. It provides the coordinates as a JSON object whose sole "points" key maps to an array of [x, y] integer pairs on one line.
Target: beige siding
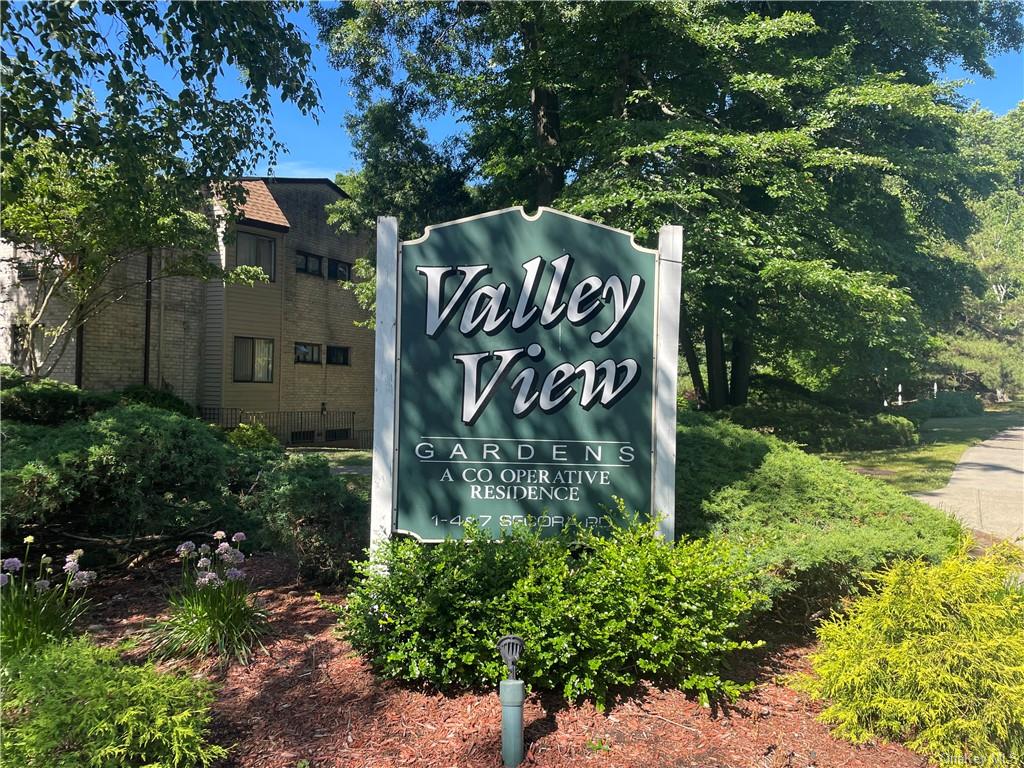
{"points": [[253, 311]]}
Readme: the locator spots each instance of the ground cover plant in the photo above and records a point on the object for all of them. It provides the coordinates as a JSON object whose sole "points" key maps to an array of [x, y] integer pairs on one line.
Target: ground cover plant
{"points": [[599, 613], [212, 611], [75, 704], [38, 606], [811, 527], [933, 655]]}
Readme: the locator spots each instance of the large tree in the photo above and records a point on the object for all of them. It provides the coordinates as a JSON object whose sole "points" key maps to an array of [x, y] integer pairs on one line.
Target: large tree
{"points": [[984, 347], [806, 148], [120, 119]]}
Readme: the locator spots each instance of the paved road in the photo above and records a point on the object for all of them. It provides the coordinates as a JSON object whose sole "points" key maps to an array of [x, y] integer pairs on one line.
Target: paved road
{"points": [[986, 491]]}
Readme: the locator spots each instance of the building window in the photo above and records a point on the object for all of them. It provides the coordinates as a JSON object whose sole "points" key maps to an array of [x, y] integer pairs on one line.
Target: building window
{"points": [[256, 251], [309, 263], [338, 270], [254, 359], [337, 355], [27, 264], [336, 435], [307, 353]]}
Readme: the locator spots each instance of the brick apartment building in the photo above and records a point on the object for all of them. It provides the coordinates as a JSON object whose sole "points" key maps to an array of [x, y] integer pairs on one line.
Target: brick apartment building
{"points": [[285, 352]]}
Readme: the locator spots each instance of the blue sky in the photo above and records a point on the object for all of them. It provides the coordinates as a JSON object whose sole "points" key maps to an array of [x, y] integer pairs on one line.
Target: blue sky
{"points": [[322, 149]]}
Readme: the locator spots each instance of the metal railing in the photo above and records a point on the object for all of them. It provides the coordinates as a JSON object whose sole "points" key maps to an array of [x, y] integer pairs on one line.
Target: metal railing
{"points": [[321, 427]]}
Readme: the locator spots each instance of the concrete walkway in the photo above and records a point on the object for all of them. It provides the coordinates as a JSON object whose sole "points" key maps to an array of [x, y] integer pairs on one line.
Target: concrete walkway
{"points": [[986, 491]]}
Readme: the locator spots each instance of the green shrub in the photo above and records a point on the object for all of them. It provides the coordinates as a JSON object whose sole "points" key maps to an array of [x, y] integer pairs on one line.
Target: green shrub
{"points": [[78, 705], [933, 656], [945, 405], [323, 519], [156, 398], [126, 471], [212, 611], [10, 376], [596, 613], [37, 606], [819, 428], [811, 527], [49, 402], [255, 450]]}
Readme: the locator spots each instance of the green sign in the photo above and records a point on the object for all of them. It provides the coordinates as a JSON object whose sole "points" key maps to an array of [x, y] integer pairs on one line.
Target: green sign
{"points": [[525, 375]]}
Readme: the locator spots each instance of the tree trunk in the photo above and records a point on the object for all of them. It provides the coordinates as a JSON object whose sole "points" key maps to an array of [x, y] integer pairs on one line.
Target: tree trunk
{"points": [[718, 384], [742, 362], [692, 362], [546, 120]]}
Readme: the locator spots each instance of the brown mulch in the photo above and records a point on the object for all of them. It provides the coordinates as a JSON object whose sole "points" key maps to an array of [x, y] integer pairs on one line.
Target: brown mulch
{"points": [[311, 698]]}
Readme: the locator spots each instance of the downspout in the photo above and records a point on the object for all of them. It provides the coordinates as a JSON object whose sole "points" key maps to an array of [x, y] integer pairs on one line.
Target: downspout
{"points": [[160, 333], [79, 354], [149, 316]]}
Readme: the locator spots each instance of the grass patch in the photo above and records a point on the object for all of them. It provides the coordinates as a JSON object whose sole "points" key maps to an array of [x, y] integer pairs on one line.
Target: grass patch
{"points": [[339, 457], [928, 466]]}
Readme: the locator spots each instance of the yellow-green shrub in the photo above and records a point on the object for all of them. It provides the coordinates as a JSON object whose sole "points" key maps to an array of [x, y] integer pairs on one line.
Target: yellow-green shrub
{"points": [[932, 656], [76, 705]]}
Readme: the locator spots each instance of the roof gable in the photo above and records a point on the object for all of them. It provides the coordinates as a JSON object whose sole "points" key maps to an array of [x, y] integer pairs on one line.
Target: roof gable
{"points": [[260, 209]]}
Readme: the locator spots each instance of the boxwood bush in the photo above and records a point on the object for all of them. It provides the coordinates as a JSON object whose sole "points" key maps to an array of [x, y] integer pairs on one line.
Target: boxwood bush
{"points": [[597, 613], [933, 656], [127, 470], [76, 704], [812, 527]]}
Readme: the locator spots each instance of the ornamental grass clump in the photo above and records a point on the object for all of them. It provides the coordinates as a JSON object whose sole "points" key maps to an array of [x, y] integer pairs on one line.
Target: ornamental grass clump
{"points": [[37, 605], [933, 656], [212, 612]]}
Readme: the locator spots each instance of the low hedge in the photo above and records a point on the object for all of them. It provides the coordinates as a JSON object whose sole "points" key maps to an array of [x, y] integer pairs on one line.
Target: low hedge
{"points": [[76, 704], [944, 405], [597, 613], [812, 528], [933, 656], [819, 429]]}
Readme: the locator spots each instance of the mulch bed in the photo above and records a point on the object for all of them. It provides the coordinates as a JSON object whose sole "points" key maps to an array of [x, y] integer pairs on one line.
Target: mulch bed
{"points": [[311, 698]]}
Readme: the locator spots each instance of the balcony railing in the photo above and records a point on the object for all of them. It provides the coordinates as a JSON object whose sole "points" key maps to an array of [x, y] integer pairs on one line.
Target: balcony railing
{"points": [[323, 427]]}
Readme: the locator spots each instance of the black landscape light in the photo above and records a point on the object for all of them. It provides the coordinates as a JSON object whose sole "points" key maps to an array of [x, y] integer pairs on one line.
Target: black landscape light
{"points": [[511, 648], [512, 694]]}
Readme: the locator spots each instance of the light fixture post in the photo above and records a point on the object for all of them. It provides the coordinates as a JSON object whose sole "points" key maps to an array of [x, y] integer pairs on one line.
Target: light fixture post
{"points": [[512, 694]]}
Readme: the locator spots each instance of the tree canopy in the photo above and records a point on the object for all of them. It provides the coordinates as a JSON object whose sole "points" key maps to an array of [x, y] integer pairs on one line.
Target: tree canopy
{"points": [[120, 120], [807, 149], [984, 347]]}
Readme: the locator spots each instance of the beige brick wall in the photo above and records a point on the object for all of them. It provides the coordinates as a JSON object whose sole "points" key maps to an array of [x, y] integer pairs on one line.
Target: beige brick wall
{"points": [[17, 302]]}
